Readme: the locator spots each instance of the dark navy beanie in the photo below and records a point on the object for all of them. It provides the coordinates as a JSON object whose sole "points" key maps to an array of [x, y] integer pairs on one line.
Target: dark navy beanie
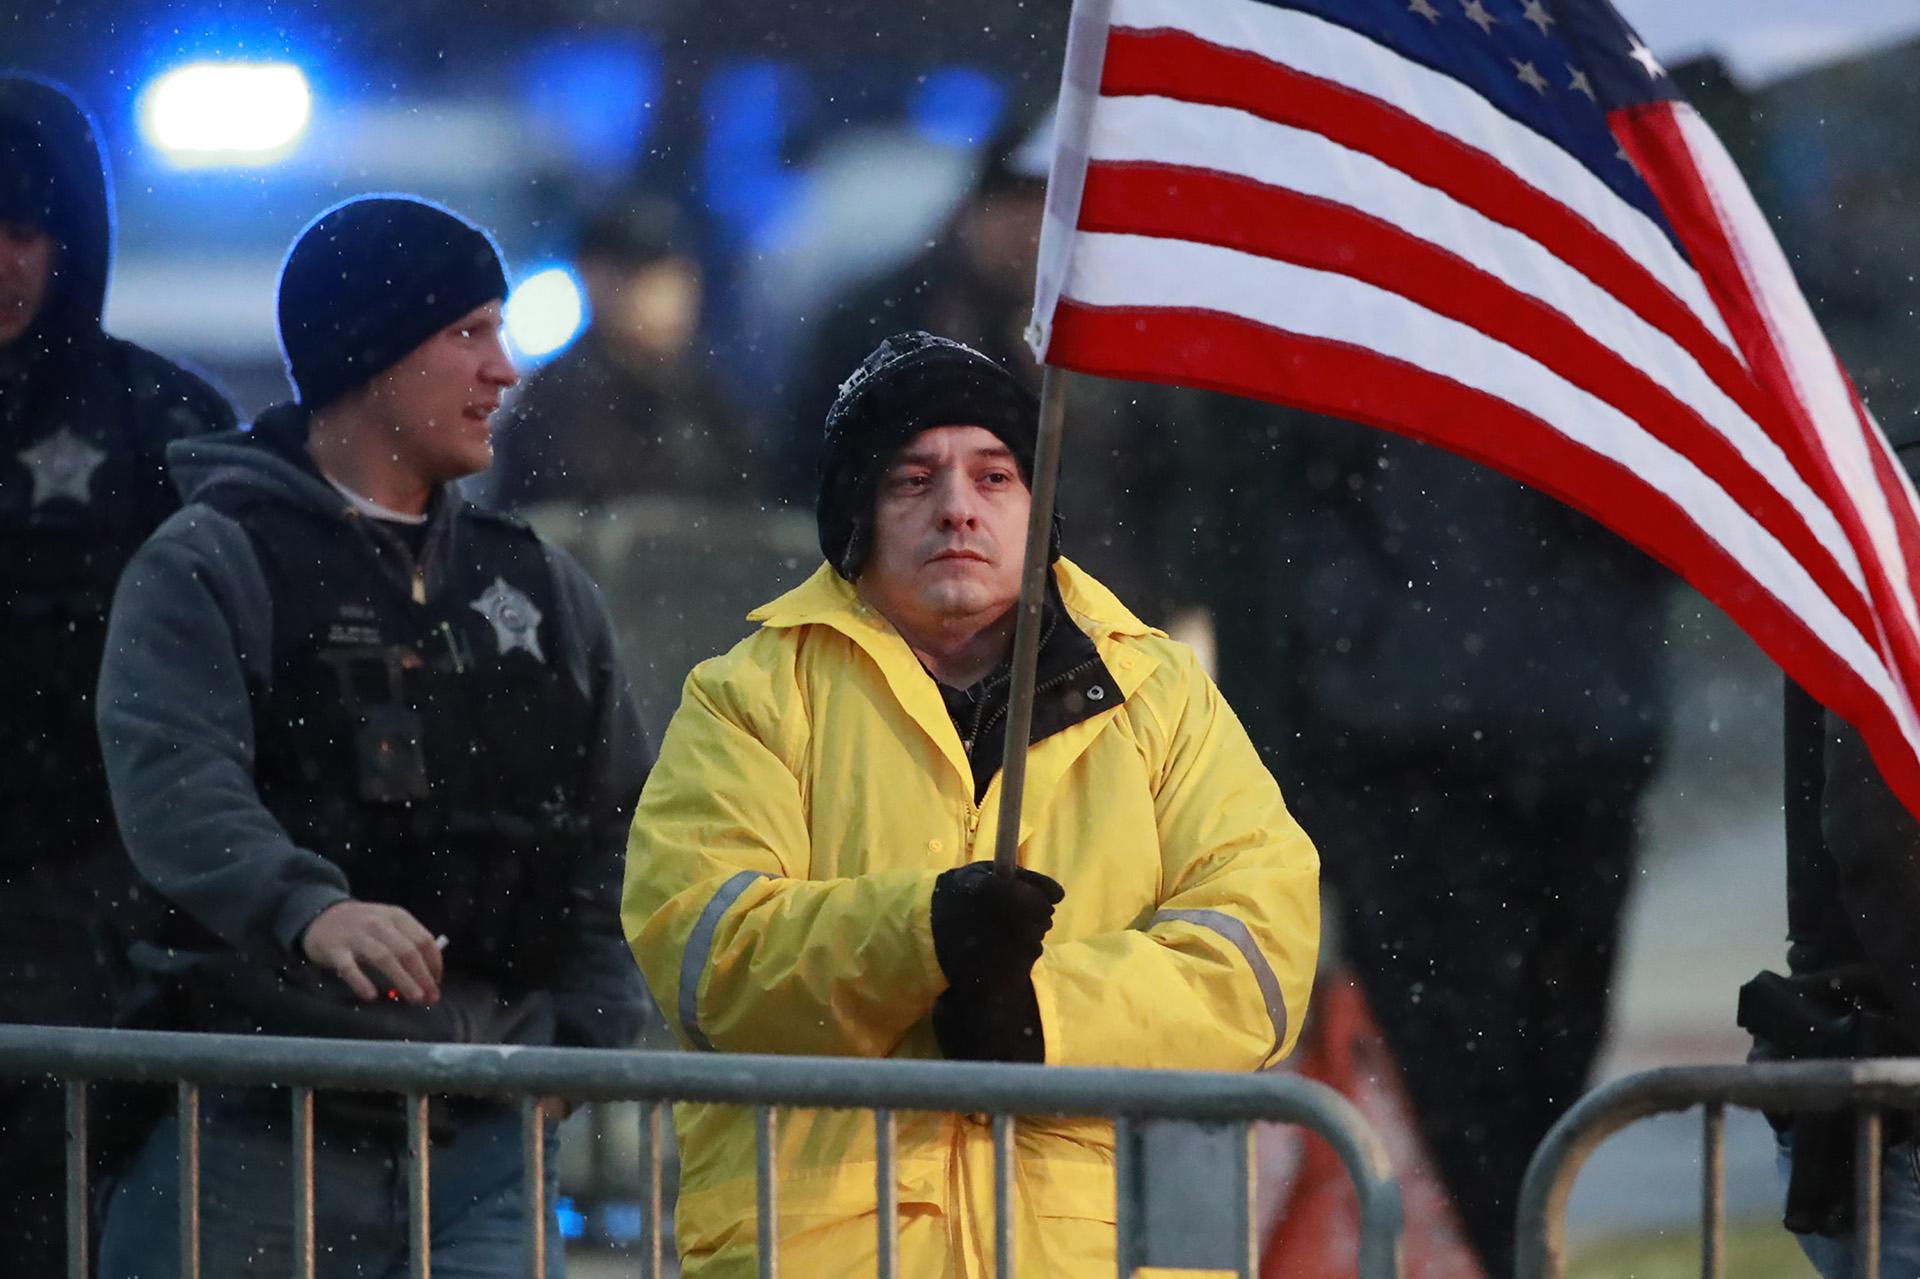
{"points": [[910, 382], [371, 279]]}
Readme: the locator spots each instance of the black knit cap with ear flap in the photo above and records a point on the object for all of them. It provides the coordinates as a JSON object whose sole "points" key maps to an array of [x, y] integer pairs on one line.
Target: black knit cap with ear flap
{"points": [[371, 279], [909, 383]]}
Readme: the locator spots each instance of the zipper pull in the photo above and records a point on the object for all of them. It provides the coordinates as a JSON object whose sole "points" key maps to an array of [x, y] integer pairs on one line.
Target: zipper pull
{"points": [[419, 586], [453, 649]]}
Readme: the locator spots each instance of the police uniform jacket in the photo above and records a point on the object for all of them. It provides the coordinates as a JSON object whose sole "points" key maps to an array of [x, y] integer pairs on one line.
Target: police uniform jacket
{"points": [[299, 705], [85, 419]]}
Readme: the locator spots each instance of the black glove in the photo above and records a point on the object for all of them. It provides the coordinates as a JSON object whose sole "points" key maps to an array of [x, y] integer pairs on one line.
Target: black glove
{"points": [[988, 930]]}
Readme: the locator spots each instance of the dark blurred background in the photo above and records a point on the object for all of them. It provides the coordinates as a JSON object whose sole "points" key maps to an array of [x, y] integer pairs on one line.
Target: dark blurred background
{"points": [[812, 144]]}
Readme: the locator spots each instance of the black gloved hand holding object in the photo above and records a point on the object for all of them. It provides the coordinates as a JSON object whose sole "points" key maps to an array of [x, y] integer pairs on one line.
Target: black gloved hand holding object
{"points": [[988, 931]]}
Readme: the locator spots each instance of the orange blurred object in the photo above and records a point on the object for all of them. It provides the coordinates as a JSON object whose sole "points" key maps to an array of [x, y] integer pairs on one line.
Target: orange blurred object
{"points": [[1317, 1230]]}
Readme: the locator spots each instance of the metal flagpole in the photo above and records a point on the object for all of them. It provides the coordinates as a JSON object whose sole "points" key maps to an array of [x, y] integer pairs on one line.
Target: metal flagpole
{"points": [[1079, 87], [1026, 629]]}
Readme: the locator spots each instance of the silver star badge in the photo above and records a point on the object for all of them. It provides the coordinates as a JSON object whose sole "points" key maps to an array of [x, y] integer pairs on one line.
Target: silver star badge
{"points": [[62, 465], [516, 622]]}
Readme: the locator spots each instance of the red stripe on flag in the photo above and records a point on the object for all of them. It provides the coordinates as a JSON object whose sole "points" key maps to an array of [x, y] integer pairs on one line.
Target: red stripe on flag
{"points": [[1892, 483], [1652, 138], [1175, 64], [1238, 213], [1652, 135], [1218, 352]]}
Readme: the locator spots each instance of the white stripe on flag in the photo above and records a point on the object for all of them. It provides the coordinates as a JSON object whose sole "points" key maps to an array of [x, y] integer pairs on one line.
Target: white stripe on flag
{"points": [[1139, 271], [1066, 178], [1796, 335], [1332, 52], [1168, 131]]}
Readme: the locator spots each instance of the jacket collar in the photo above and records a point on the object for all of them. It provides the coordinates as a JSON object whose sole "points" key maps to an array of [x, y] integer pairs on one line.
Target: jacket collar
{"points": [[269, 460], [827, 599]]}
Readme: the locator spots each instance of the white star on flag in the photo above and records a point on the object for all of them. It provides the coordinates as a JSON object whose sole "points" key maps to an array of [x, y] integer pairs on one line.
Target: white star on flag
{"points": [[1425, 10], [1477, 14], [1644, 56], [1529, 75], [1537, 14]]}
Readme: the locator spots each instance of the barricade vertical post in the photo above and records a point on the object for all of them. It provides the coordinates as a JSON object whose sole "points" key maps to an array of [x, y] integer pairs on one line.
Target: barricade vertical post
{"points": [[1866, 1194], [650, 1233], [767, 1209], [187, 1111], [303, 1256], [533, 1175], [419, 1186], [1003, 1240], [1248, 1263], [1126, 1207], [77, 1187], [886, 1194], [1713, 1192]]}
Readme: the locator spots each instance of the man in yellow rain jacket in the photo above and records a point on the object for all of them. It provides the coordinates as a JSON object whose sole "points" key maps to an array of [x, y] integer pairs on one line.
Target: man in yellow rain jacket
{"points": [[809, 868]]}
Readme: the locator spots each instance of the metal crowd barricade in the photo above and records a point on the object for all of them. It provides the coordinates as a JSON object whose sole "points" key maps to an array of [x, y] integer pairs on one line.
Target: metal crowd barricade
{"points": [[417, 1072], [1793, 1087]]}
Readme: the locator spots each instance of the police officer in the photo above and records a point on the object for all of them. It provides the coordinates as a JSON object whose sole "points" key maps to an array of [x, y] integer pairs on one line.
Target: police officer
{"points": [[373, 748], [83, 421]]}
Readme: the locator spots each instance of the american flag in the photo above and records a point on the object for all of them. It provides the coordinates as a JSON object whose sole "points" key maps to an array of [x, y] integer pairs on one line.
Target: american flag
{"points": [[1491, 225]]}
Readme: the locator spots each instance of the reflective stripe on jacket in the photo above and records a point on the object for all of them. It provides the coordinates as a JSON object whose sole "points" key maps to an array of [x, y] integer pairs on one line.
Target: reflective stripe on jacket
{"points": [[809, 790]]}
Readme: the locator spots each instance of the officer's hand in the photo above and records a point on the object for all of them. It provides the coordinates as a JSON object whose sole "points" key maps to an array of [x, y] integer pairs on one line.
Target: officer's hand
{"points": [[350, 933], [988, 927]]}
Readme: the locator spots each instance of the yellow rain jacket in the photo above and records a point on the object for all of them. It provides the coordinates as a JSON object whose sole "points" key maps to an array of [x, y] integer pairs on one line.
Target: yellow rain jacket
{"points": [[779, 878]]}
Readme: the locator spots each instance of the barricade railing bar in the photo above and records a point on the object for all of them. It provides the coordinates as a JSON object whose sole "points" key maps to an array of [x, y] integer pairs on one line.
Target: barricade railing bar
{"points": [[1870, 1087], [766, 1084]]}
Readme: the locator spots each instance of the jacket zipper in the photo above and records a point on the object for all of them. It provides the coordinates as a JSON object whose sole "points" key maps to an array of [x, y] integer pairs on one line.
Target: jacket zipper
{"points": [[416, 568], [973, 810], [1038, 689]]}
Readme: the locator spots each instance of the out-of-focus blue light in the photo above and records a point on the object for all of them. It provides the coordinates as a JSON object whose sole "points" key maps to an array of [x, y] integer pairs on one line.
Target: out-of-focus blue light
{"points": [[599, 95], [622, 1222], [572, 1224], [545, 313], [957, 106], [227, 113], [750, 107]]}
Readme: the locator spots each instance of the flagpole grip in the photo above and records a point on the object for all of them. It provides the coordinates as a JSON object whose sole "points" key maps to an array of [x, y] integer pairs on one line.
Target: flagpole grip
{"points": [[1026, 629]]}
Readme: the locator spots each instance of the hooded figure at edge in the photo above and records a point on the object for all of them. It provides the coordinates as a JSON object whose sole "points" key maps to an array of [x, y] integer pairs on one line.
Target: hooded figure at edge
{"points": [[84, 420]]}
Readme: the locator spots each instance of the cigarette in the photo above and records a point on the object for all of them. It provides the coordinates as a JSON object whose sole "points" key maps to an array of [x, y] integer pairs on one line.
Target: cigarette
{"points": [[440, 942]]}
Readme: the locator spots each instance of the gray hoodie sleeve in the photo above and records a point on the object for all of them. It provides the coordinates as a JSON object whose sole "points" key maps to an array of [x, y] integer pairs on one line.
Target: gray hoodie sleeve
{"points": [[601, 1000], [191, 629]]}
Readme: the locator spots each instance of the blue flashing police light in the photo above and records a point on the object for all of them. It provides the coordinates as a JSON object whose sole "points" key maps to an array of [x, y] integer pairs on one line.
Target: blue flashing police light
{"points": [[545, 313], [957, 106], [598, 95], [227, 113]]}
